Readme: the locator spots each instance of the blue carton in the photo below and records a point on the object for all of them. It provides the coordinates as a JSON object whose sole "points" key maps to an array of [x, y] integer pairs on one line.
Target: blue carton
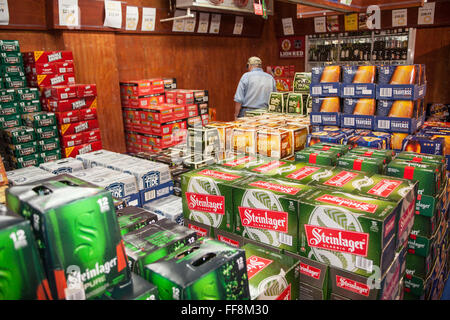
{"points": [[337, 137], [402, 125], [400, 108], [325, 89], [356, 121], [325, 118], [156, 192], [322, 74], [358, 90], [400, 91], [403, 74]]}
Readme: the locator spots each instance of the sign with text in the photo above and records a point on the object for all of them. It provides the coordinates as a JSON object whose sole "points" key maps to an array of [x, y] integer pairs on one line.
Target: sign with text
{"points": [[292, 47]]}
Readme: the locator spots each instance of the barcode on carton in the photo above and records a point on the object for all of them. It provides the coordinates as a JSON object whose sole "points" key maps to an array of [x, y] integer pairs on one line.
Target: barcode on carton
{"points": [[349, 91], [385, 92], [384, 124], [316, 90], [285, 239], [349, 121], [316, 118], [149, 195], [364, 264]]}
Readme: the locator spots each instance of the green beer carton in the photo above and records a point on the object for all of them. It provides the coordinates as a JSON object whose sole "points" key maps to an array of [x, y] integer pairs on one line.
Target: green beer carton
{"points": [[204, 270], [207, 196], [155, 241], [137, 289], [347, 231], [39, 119], [9, 46], [397, 190], [428, 175], [361, 163], [338, 178], [9, 108], [426, 158], [30, 106], [422, 254], [266, 210], [51, 155], [79, 236], [302, 81], [324, 146], [23, 149], [277, 102], [248, 163], [134, 218], [48, 144], [271, 275], [46, 132], [27, 94], [10, 121], [11, 58], [316, 156], [19, 135], [8, 95], [359, 287], [418, 288], [25, 161], [295, 104], [22, 275]]}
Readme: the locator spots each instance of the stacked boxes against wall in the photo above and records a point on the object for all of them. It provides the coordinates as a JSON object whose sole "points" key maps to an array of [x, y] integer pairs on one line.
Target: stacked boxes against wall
{"points": [[74, 105], [23, 138], [156, 114]]}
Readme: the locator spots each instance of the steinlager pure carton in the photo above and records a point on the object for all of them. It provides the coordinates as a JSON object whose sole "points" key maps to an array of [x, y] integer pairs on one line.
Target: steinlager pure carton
{"points": [[22, 275], [133, 218], [205, 270], [137, 289], [80, 237], [361, 163], [207, 196], [155, 241], [266, 210], [347, 231], [271, 275]]}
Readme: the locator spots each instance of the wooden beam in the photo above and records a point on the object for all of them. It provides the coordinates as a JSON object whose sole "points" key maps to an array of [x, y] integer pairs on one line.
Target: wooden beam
{"points": [[327, 5]]}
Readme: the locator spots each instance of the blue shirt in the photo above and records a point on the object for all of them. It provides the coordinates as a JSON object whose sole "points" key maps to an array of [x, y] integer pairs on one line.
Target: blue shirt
{"points": [[254, 89]]}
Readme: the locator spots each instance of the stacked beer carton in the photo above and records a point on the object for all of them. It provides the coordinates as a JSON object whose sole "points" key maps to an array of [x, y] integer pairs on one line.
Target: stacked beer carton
{"points": [[296, 100], [11, 65], [75, 105], [156, 114]]}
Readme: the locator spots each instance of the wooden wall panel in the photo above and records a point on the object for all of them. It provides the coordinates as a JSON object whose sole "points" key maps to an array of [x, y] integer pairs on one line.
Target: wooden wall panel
{"points": [[198, 62], [26, 14], [95, 62], [433, 50], [34, 40]]}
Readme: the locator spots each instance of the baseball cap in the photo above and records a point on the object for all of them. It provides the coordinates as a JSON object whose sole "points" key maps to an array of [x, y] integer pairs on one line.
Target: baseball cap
{"points": [[254, 61]]}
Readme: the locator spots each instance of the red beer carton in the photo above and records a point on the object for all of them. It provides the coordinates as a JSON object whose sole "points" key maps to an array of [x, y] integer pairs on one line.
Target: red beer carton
{"points": [[85, 90], [72, 104], [92, 136], [52, 80], [68, 116], [142, 102], [81, 149], [77, 127], [191, 110], [72, 140], [161, 114], [47, 56], [185, 97], [49, 68], [167, 128], [179, 112], [60, 92], [88, 114]]}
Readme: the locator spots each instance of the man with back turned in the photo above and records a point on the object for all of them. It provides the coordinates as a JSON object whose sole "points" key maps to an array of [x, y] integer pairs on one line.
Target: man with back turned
{"points": [[254, 88]]}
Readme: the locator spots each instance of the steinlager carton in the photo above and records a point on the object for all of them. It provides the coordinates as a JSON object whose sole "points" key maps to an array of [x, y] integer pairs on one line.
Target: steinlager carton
{"points": [[303, 173], [137, 289], [205, 270], [361, 163], [315, 156], [422, 254], [80, 237], [427, 174], [271, 275], [155, 241], [338, 178], [425, 158], [387, 155], [397, 190], [266, 210], [22, 275], [347, 231], [207, 196], [323, 146]]}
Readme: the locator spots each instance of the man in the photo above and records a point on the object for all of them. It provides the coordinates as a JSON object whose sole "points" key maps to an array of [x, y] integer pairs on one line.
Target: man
{"points": [[254, 88]]}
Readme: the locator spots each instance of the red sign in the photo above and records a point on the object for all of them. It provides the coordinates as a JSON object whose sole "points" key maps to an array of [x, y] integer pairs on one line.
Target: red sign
{"points": [[264, 219], [229, 241], [353, 286], [200, 231], [255, 264], [337, 240], [275, 187], [292, 47], [219, 175], [348, 203], [238, 162], [384, 188], [286, 294], [269, 166], [341, 179], [206, 202], [303, 173]]}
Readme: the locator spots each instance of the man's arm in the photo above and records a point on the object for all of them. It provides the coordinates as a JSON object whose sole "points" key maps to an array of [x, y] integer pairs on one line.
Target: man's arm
{"points": [[237, 108]]}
